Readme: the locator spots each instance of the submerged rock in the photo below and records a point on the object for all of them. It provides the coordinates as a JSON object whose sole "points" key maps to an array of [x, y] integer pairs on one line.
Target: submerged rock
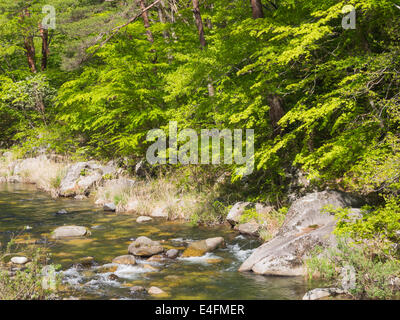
{"points": [[137, 289], [172, 253], [155, 291], [199, 248], [62, 212], [145, 247], [126, 259], [70, 232], [305, 227]]}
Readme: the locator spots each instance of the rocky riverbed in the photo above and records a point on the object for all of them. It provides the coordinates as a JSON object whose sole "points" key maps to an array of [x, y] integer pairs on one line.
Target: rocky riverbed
{"points": [[98, 264]]}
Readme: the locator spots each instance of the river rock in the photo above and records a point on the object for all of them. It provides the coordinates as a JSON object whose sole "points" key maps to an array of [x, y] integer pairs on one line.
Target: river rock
{"points": [[137, 289], [172, 253], [142, 219], [110, 206], [70, 232], [249, 228], [113, 277], [305, 227], [320, 293], [19, 260], [155, 291], [199, 248], [86, 262], [145, 247], [62, 212], [81, 177], [126, 259]]}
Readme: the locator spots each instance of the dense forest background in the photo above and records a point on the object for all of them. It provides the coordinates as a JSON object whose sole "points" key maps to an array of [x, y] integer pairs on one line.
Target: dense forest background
{"points": [[323, 100]]}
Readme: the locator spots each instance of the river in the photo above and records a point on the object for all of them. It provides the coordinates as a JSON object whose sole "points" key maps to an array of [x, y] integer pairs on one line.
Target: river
{"points": [[29, 215]]}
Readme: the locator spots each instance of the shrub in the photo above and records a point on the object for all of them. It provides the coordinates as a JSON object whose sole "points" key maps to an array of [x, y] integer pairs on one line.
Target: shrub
{"points": [[26, 283]]}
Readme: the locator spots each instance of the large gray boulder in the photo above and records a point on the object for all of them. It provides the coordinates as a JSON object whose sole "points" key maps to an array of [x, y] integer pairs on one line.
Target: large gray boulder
{"points": [[81, 177], [70, 232], [305, 227], [249, 228], [145, 247]]}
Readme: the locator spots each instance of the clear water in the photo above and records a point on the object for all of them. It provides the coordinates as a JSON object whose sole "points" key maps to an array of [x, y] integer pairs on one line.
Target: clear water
{"points": [[213, 276]]}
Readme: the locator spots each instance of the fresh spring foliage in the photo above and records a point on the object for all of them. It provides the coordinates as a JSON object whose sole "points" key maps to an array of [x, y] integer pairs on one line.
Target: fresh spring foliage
{"points": [[323, 100]]}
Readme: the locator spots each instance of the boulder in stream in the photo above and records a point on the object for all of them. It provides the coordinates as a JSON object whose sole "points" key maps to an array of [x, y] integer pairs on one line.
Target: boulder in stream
{"points": [[125, 259], [70, 232], [199, 248], [145, 247], [305, 227]]}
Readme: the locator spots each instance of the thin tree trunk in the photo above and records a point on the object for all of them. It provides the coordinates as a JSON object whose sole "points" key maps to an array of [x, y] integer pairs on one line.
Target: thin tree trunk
{"points": [[161, 18], [257, 9], [44, 34], [276, 112], [29, 45], [30, 53], [146, 21], [199, 23]]}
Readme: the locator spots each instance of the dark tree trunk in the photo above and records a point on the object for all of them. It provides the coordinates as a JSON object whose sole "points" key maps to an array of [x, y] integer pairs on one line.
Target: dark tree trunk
{"points": [[257, 9], [276, 112], [199, 23], [146, 21], [30, 53], [44, 34], [29, 45]]}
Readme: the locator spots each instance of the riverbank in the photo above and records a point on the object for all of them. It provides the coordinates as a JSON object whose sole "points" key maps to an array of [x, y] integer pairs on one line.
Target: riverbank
{"points": [[171, 195], [213, 275], [290, 236]]}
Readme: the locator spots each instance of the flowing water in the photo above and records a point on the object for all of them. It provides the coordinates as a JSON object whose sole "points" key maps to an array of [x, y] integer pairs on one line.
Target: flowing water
{"points": [[30, 216]]}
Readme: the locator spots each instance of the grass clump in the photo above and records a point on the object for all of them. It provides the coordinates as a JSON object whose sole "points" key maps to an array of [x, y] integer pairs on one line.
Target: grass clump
{"points": [[26, 283], [374, 269]]}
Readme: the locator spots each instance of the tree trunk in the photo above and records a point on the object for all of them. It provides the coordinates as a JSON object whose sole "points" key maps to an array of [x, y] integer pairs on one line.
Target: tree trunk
{"points": [[276, 112], [199, 22], [257, 9], [29, 45], [44, 34], [30, 53], [146, 21], [161, 18]]}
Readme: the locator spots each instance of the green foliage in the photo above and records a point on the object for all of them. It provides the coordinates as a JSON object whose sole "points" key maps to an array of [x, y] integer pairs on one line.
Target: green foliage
{"points": [[380, 224], [373, 268], [26, 283]]}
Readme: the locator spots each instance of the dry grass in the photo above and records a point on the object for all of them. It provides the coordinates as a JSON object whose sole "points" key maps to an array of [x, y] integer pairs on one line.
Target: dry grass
{"points": [[147, 196], [46, 174]]}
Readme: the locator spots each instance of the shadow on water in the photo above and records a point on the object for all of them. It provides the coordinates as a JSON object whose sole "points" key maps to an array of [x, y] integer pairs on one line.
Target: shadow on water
{"points": [[213, 276]]}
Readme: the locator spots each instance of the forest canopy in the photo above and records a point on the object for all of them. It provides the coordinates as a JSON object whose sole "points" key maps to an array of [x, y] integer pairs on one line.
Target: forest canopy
{"points": [[323, 99]]}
